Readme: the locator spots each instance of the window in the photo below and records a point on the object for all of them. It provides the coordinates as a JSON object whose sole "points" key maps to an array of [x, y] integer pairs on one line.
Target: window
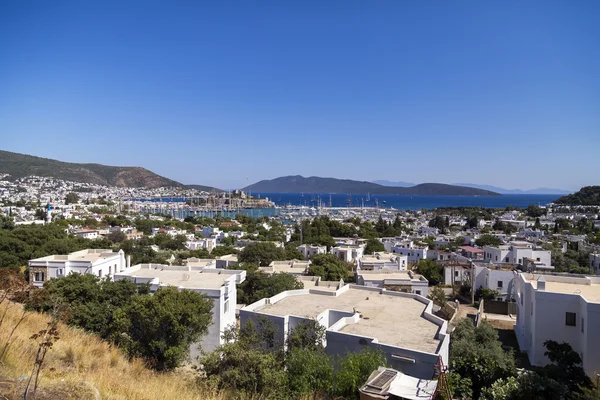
{"points": [[109, 269], [520, 261], [456, 274], [500, 283], [39, 276], [100, 273], [226, 307], [538, 259], [60, 271], [582, 324], [570, 319], [418, 292]]}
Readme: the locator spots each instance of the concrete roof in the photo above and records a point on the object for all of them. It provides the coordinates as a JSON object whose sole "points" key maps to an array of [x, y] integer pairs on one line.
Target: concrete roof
{"points": [[589, 291], [194, 279], [389, 274], [89, 255], [393, 320]]}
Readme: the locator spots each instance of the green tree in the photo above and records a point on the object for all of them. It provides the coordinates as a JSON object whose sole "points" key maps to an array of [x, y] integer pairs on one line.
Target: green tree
{"points": [[374, 245], [488, 240], [431, 270], [437, 295], [330, 268], [160, 328], [476, 354], [259, 285], [353, 371], [117, 236], [262, 253], [71, 198]]}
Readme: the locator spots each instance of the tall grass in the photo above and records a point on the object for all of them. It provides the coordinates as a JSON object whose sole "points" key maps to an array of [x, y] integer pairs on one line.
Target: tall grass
{"points": [[87, 365]]}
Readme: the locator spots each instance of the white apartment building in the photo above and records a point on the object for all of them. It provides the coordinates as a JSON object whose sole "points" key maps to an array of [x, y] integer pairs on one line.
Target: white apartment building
{"points": [[99, 262], [382, 260], [208, 231], [197, 244], [294, 267], [398, 281], [217, 284], [498, 277], [595, 263], [227, 260], [401, 325], [348, 252], [561, 308], [308, 250], [517, 254], [414, 252], [86, 233]]}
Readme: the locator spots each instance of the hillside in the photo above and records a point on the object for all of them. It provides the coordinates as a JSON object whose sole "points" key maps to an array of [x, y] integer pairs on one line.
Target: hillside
{"points": [[586, 196], [81, 366], [22, 165], [496, 189], [313, 184]]}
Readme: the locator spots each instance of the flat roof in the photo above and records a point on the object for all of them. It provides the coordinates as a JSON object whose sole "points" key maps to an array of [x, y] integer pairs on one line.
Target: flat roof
{"points": [[195, 279], [393, 320], [591, 292], [388, 274], [90, 255]]}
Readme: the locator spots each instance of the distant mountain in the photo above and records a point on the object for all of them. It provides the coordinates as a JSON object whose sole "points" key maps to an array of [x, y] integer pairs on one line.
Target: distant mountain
{"points": [[514, 191], [586, 196], [203, 188], [395, 184], [314, 184], [22, 165]]}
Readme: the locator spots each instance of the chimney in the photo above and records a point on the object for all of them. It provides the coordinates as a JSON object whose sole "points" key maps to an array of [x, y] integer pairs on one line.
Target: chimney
{"points": [[541, 284], [128, 264]]}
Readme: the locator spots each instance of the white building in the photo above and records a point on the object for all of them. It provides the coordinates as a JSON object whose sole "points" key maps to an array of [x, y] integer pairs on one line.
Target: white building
{"points": [[560, 308], [209, 231], [414, 252], [498, 277], [293, 267], [86, 234], [348, 252], [197, 244], [227, 261], [398, 281], [382, 260], [308, 250], [595, 263], [517, 253], [217, 284], [99, 262], [401, 325]]}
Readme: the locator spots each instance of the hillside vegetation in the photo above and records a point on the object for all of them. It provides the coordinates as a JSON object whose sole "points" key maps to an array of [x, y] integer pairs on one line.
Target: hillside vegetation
{"points": [[315, 184], [81, 366], [22, 165], [586, 196]]}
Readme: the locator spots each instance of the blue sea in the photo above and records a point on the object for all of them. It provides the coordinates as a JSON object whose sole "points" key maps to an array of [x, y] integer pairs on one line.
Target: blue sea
{"points": [[407, 202]]}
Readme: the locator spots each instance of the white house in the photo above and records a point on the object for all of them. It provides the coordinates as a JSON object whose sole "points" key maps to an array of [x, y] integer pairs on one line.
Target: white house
{"points": [[197, 244], [293, 267], [86, 233], [217, 284], [382, 260], [414, 252], [399, 281], [308, 250], [595, 263], [498, 277], [348, 252], [99, 262], [517, 253], [561, 308], [227, 260], [401, 325]]}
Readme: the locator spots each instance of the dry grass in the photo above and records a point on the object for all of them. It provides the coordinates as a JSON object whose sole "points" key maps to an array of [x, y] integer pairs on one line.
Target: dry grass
{"points": [[82, 366]]}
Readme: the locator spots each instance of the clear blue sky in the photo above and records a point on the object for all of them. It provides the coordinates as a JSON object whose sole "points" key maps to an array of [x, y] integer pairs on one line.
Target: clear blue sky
{"points": [[227, 93]]}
